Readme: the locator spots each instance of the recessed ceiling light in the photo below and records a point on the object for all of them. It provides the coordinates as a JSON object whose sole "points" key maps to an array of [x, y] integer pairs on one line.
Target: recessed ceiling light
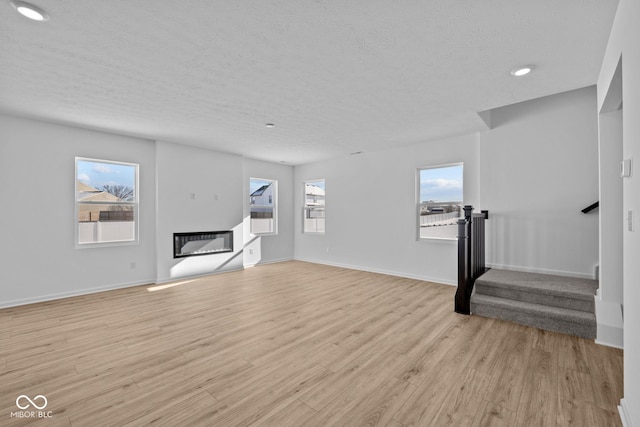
{"points": [[30, 11], [270, 125], [522, 71]]}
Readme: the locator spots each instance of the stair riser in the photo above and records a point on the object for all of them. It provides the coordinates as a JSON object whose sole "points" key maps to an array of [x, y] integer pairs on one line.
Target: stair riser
{"points": [[542, 322], [536, 298]]}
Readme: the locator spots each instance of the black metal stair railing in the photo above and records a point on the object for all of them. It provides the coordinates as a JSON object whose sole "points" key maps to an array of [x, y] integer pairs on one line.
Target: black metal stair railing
{"points": [[471, 256], [591, 207]]}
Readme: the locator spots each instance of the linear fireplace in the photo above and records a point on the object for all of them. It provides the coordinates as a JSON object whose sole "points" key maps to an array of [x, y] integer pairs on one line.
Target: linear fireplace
{"points": [[202, 243]]}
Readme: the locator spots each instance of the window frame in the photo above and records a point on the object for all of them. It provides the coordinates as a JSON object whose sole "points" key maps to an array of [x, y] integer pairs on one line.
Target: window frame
{"points": [[135, 204], [274, 206], [418, 202], [306, 207]]}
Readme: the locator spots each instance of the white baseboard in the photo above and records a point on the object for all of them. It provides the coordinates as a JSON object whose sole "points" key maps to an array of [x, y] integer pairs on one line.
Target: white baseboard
{"points": [[625, 416], [541, 271], [607, 342], [610, 323], [381, 271], [61, 295]]}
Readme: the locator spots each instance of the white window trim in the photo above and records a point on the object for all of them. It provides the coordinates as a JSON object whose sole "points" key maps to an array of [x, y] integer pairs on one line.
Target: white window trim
{"points": [[135, 204], [417, 207], [305, 206], [274, 182]]}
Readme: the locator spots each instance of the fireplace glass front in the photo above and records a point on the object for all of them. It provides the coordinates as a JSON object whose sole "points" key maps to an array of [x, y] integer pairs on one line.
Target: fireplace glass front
{"points": [[202, 243]]}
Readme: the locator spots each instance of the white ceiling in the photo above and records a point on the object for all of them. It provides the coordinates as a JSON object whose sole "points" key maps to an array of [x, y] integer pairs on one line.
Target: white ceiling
{"points": [[334, 76]]}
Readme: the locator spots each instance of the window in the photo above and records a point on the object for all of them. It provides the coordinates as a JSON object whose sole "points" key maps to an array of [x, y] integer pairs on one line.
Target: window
{"points": [[314, 193], [106, 202], [440, 201], [263, 194]]}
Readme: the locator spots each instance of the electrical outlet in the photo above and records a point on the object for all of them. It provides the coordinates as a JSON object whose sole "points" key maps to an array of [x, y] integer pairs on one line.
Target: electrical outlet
{"points": [[625, 168], [250, 251], [630, 220]]}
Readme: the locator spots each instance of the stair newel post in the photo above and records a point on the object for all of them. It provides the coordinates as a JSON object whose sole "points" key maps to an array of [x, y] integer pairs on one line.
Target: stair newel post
{"points": [[468, 216], [461, 299], [467, 212], [471, 262]]}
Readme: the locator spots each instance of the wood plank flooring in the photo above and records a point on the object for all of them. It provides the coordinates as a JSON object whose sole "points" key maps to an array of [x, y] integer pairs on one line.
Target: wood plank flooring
{"points": [[293, 344]]}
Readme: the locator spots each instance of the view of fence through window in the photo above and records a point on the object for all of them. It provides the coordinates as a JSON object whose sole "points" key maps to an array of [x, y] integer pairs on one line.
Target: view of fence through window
{"points": [[262, 205], [106, 201], [441, 201], [314, 195]]}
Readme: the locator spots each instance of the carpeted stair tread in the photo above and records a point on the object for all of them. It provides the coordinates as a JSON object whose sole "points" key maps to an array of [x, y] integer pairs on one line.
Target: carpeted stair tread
{"points": [[573, 322], [560, 286]]}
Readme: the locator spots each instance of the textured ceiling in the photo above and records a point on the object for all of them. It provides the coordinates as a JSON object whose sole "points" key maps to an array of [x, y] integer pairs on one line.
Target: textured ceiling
{"points": [[334, 76]]}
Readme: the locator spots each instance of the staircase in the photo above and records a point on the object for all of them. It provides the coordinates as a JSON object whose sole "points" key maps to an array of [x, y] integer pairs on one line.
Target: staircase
{"points": [[553, 303]]}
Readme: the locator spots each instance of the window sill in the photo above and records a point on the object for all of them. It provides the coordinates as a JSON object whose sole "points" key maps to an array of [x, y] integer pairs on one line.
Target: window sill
{"points": [[438, 239], [106, 244]]}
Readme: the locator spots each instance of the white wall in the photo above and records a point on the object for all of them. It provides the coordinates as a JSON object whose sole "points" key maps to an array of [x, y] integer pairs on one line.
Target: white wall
{"points": [[534, 172], [623, 42], [371, 210], [198, 190], [38, 257], [539, 168], [371, 201], [269, 248], [37, 176], [611, 231], [612, 226]]}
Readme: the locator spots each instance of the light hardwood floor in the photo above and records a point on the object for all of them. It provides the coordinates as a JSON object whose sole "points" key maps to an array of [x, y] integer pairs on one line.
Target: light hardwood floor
{"points": [[296, 344]]}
